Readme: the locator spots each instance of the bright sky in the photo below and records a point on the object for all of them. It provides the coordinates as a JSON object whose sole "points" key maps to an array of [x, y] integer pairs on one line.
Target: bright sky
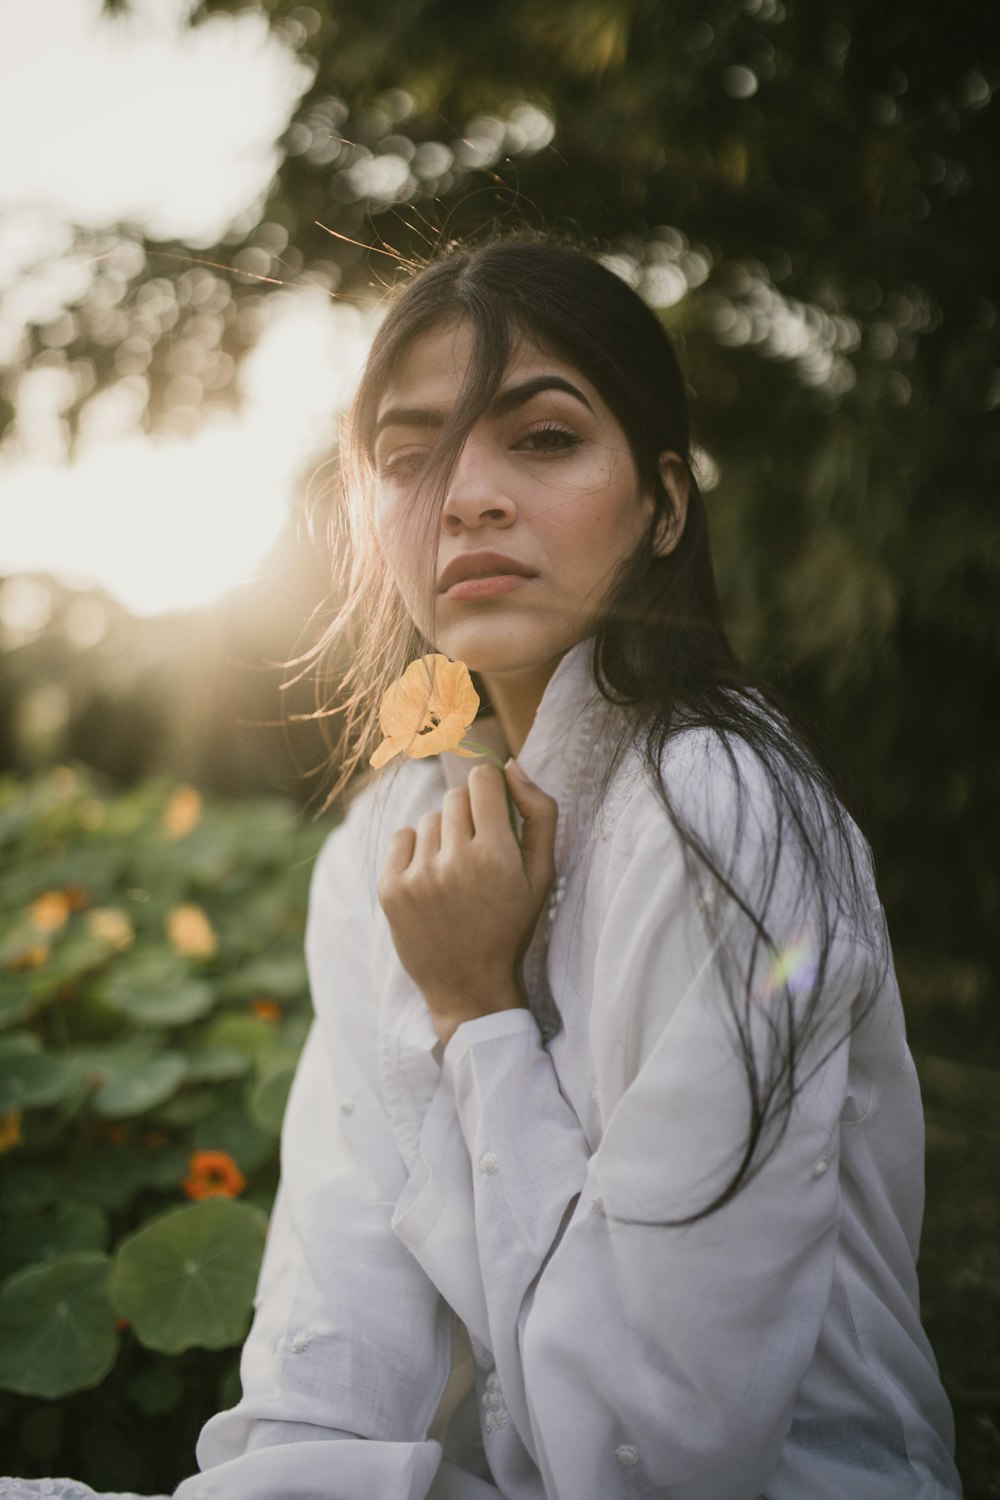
{"points": [[174, 129]]}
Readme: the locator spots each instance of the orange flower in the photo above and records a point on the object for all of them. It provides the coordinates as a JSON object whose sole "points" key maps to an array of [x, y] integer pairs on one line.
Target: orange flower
{"points": [[111, 926], [29, 958], [50, 911], [427, 710], [183, 812], [10, 1130], [213, 1174], [155, 1140], [267, 1010], [190, 932]]}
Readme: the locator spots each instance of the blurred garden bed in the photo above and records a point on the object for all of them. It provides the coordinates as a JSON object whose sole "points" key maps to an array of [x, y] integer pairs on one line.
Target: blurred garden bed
{"points": [[153, 1001]]}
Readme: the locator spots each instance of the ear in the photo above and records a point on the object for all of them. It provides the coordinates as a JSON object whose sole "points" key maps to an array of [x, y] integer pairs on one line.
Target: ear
{"points": [[676, 480]]}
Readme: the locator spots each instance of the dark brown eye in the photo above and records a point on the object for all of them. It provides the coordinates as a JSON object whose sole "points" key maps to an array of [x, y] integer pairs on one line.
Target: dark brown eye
{"points": [[549, 439]]}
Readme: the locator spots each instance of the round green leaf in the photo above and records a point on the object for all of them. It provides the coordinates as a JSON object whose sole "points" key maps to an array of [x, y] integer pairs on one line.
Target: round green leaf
{"points": [[57, 1332], [187, 1280], [172, 1007], [32, 1080], [141, 1087], [268, 1099], [283, 976], [215, 1064]]}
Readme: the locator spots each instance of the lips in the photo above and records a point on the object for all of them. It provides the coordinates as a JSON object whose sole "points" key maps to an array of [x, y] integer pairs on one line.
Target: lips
{"points": [[481, 565]]}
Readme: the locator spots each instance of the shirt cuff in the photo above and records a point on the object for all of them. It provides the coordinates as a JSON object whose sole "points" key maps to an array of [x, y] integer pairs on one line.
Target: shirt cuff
{"points": [[518, 1021]]}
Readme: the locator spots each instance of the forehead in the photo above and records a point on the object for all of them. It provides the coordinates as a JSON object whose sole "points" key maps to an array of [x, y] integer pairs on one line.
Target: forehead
{"points": [[432, 370]]}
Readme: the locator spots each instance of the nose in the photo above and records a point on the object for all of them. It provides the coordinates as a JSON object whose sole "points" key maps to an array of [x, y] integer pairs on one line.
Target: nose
{"points": [[476, 495]]}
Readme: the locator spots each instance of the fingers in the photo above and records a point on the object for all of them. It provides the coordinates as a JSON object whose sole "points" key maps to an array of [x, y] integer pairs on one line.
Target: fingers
{"points": [[488, 801], [428, 842], [457, 827], [538, 835]]}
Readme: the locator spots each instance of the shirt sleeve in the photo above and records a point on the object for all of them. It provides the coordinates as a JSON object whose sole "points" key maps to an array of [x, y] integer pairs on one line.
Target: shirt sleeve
{"points": [[637, 1355], [350, 1346]]}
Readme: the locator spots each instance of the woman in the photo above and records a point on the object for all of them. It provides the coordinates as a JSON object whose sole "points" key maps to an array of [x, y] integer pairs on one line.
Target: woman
{"points": [[602, 1171]]}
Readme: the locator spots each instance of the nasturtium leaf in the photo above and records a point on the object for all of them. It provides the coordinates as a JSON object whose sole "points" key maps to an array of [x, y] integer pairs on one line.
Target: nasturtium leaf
{"points": [[72, 957], [268, 1099], [150, 969], [185, 1109], [187, 1279], [99, 1063], [33, 1080], [187, 1001], [29, 1241], [46, 1128], [241, 1032], [215, 1064], [137, 1089], [57, 1330], [239, 1136], [283, 975]]}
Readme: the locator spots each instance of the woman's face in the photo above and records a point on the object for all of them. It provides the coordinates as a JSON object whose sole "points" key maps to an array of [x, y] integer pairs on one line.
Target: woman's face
{"points": [[542, 506]]}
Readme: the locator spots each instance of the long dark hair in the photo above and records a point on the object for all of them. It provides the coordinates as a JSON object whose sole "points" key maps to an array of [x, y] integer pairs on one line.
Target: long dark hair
{"points": [[660, 650]]}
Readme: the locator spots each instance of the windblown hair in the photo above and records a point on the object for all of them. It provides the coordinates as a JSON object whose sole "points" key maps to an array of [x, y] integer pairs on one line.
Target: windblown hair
{"points": [[660, 651]]}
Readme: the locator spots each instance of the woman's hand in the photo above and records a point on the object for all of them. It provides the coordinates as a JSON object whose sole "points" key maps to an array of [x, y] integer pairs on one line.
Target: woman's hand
{"points": [[462, 898]]}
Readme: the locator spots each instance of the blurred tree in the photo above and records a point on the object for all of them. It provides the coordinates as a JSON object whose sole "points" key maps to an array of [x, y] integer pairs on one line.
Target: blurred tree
{"points": [[809, 193]]}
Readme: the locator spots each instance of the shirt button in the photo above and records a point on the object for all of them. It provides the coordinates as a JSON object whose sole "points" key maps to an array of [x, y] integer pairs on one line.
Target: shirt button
{"points": [[819, 1167], [627, 1456], [347, 1108], [488, 1163]]}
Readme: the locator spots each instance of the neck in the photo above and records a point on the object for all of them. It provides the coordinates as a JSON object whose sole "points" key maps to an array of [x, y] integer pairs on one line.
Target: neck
{"points": [[515, 697]]}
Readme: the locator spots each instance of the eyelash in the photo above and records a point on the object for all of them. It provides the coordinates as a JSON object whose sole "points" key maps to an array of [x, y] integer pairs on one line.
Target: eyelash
{"points": [[571, 440], [400, 465]]}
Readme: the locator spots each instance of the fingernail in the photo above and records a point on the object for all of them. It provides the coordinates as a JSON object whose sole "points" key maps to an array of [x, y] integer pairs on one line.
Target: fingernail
{"points": [[513, 766]]}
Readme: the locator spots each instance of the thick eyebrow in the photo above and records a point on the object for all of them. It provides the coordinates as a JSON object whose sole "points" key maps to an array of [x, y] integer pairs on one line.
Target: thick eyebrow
{"points": [[507, 401]]}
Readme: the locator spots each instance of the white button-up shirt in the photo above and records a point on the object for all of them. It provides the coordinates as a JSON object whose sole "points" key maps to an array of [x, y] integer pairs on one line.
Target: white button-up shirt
{"points": [[470, 1285]]}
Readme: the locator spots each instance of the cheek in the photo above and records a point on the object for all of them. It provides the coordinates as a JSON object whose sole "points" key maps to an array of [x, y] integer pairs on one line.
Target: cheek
{"points": [[406, 560]]}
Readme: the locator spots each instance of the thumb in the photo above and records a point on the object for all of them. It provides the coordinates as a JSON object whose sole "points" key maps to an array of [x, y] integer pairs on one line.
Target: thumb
{"points": [[538, 835]]}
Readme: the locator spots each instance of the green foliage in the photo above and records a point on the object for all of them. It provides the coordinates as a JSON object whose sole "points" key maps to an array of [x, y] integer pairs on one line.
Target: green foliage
{"points": [[57, 1333], [188, 1278], [153, 1002]]}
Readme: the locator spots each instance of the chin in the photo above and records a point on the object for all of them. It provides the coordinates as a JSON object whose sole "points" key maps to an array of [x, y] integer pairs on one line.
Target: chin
{"points": [[503, 645]]}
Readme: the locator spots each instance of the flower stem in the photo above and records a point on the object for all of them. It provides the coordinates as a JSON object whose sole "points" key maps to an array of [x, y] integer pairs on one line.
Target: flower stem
{"points": [[484, 750]]}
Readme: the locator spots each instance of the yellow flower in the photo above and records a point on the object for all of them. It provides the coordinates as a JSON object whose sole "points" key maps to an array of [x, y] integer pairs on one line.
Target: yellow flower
{"points": [[50, 911], [190, 932], [183, 812], [10, 1130], [111, 926], [427, 710]]}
